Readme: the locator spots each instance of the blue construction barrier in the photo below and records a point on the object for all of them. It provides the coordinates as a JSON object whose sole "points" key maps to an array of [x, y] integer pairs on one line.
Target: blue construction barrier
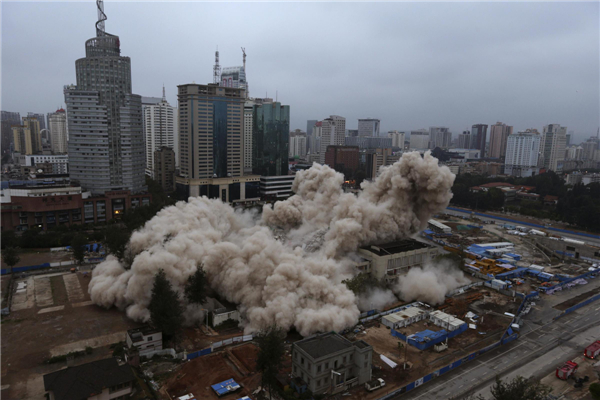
{"points": [[526, 223], [577, 306], [564, 280], [199, 353], [15, 270]]}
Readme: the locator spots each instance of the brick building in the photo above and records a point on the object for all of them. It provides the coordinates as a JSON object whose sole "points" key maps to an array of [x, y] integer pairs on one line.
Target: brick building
{"points": [[25, 207], [343, 158]]}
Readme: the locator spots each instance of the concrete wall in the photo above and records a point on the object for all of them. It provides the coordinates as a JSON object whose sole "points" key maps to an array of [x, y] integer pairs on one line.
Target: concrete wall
{"points": [[568, 250]]}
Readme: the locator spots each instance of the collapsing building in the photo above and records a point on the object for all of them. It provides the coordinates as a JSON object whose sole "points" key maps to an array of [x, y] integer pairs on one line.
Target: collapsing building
{"points": [[388, 261]]}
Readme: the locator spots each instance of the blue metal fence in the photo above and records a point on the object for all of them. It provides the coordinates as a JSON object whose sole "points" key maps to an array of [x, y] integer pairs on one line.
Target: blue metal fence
{"points": [[5, 271]]}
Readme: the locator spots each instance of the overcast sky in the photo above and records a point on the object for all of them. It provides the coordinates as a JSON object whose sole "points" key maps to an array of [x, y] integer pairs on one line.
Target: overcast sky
{"points": [[411, 65]]}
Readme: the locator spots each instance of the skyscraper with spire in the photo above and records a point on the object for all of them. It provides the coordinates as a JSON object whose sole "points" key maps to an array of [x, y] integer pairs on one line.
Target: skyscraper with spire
{"points": [[104, 119], [160, 129]]}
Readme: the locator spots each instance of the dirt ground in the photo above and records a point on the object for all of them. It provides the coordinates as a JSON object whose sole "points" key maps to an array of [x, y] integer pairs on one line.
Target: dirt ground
{"points": [[196, 376], [577, 299], [53, 316], [40, 256]]}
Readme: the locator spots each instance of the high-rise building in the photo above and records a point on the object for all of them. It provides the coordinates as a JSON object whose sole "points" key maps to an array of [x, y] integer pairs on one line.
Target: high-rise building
{"points": [[590, 148], [419, 139], [569, 137], [369, 142], [375, 159], [7, 120], [160, 130], [478, 138], [164, 167], [552, 148], [297, 144], [522, 151], [310, 124], [58, 131], [333, 133], [211, 119], [368, 127], [104, 119], [498, 137], [270, 139], [351, 132], [343, 159], [40, 117], [397, 138], [464, 140], [315, 142], [247, 152], [574, 153], [439, 137], [27, 138]]}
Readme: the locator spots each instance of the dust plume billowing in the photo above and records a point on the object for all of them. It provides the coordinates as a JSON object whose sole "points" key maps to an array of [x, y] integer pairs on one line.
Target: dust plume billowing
{"points": [[294, 279], [376, 299], [430, 283]]}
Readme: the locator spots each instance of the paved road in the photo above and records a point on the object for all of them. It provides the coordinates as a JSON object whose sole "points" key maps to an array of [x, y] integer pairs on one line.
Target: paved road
{"points": [[536, 352], [589, 240]]}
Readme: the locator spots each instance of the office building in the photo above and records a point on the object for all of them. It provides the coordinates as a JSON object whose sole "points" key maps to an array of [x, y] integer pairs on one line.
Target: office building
{"points": [[343, 159], [247, 133], [478, 138], [368, 127], [44, 206], [389, 261], [164, 167], [377, 158], [297, 144], [104, 119], [333, 133], [211, 143], [270, 139], [330, 363], [7, 120], [568, 138], [419, 139], [522, 152], [365, 143], [590, 149], [351, 132], [397, 139], [58, 131], [59, 163], [574, 153], [234, 77], [315, 142], [552, 148], [27, 138], [464, 140], [40, 117], [499, 133], [439, 137], [160, 130], [46, 142], [273, 188]]}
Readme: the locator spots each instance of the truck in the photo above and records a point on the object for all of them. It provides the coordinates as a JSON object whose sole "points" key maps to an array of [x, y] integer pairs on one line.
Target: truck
{"points": [[593, 350], [567, 370], [374, 384]]}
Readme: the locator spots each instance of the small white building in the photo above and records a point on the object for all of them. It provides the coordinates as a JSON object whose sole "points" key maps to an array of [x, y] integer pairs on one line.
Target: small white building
{"points": [[404, 317], [445, 321], [145, 339], [437, 226]]}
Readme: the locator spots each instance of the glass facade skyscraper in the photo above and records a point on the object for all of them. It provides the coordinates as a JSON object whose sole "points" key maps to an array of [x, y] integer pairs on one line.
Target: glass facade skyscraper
{"points": [[270, 139], [104, 119]]}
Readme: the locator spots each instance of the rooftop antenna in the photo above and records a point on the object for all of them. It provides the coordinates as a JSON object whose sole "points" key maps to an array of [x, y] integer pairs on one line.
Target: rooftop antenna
{"points": [[100, 30], [217, 68], [164, 97]]}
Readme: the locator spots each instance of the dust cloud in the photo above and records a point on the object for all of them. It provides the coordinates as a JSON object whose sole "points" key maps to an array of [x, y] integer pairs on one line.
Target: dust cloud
{"points": [[294, 278]]}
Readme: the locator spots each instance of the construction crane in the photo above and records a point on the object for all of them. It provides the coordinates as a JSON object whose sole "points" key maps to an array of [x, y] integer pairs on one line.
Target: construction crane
{"points": [[217, 68], [244, 53]]}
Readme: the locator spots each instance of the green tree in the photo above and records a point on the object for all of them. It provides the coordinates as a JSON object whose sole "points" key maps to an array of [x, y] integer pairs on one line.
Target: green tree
{"points": [[78, 245], [195, 289], [166, 311], [9, 239], [10, 255], [595, 390], [360, 283], [115, 240], [518, 389], [270, 356]]}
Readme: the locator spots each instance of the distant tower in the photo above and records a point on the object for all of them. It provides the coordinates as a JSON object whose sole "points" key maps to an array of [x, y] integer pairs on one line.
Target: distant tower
{"points": [[244, 63], [217, 68]]}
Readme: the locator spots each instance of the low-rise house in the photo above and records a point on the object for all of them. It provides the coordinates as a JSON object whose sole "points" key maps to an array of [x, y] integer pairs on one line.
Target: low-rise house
{"points": [[97, 380], [330, 363], [144, 340]]}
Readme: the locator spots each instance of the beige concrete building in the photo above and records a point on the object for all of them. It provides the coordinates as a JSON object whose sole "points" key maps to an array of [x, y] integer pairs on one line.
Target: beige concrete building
{"points": [[498, 138], [333, 133], [388, 261], [164, 168], [27, 138], [211, 143]]}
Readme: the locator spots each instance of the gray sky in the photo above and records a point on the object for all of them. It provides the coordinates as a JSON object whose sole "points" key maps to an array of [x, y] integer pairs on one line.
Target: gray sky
{"points": [[411, 65]]}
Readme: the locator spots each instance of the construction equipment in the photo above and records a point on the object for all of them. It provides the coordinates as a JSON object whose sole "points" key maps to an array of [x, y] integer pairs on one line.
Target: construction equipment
{"points": [[567, 370]]}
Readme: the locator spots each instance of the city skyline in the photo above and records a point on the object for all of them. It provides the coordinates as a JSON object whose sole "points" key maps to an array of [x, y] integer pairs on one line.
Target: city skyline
{"points": [[460, 70]]}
